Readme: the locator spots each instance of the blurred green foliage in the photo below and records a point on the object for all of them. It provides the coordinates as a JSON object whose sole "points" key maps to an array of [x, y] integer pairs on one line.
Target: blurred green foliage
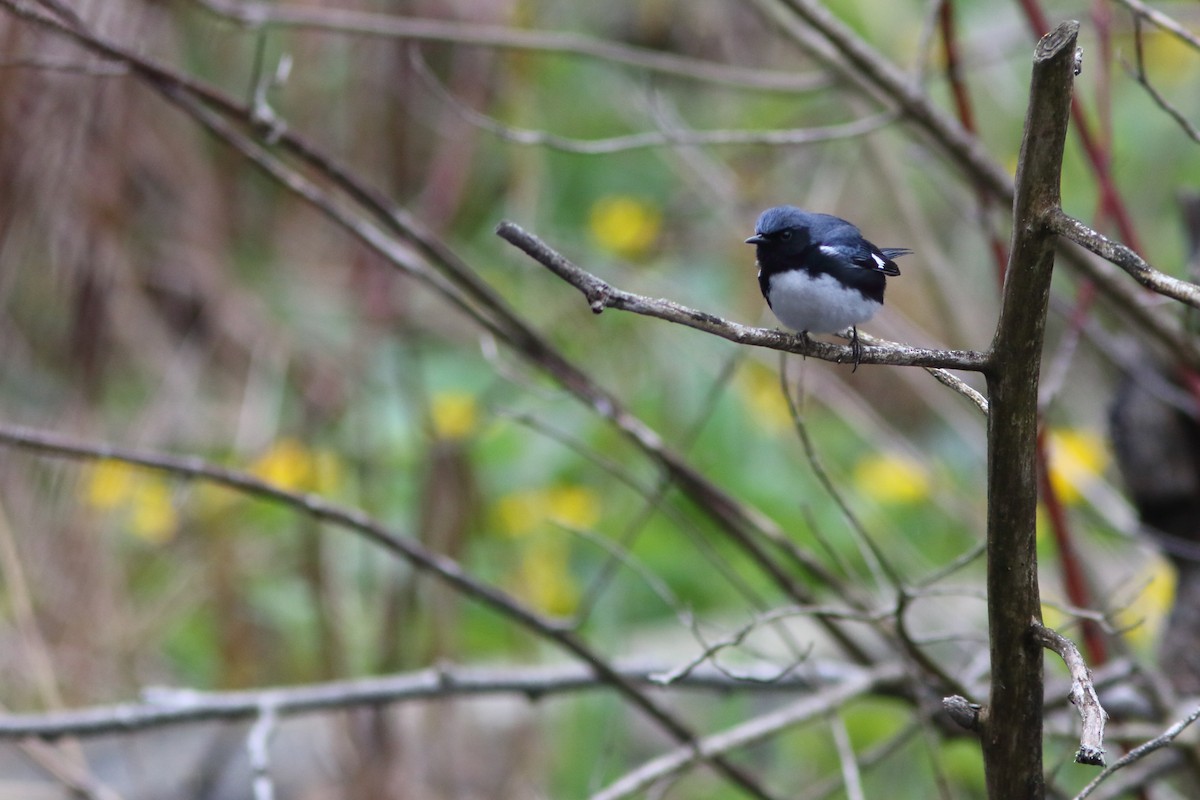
{"points": [[168, 296]]}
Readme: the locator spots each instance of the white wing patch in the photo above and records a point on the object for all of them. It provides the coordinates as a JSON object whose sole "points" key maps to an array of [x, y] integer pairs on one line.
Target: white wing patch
{"points": [[831, 251], [879, 260]]}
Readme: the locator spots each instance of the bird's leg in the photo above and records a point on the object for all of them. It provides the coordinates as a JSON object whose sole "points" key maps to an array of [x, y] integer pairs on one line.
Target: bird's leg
{"points": [[804, 338], [855, 347]]}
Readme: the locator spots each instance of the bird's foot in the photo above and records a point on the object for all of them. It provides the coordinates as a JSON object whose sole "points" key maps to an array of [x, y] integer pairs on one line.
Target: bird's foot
{"points": [[855, 348]]}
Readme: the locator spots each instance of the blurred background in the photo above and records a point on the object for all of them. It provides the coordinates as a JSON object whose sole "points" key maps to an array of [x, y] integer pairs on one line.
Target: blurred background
{"points": [[159, 291]]}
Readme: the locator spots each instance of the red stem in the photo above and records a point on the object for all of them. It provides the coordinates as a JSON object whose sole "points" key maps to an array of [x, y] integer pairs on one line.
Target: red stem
{"points": [[1074, 580], [966, 116]]}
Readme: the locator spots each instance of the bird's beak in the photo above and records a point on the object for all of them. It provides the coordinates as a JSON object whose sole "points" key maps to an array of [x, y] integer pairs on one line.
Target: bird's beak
{"points": [[756, 239]]}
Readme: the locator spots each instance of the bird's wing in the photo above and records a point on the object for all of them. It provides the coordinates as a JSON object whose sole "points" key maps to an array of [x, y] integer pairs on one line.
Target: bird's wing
{"points": [[861, 253]]}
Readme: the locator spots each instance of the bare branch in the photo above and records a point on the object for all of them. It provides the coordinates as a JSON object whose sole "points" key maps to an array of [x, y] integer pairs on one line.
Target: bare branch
{"points": [[1083, 694], [360, 23], [752, 731], [601, 295], [1138, 71], [956, 383], [258, 748], [1065, 225], [1163, 21], [168, 706], [1141, 751]]}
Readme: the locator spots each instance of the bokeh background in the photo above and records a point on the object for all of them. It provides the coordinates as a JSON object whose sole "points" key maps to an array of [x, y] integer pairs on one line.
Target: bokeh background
{"points": [[158, 291]]}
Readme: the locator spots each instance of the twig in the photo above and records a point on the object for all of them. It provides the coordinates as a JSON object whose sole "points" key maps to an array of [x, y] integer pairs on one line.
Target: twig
{"points": [[871, 758], [1116, 253], [359, 23], [668, 678], [1141, 751], [258, 748], [601, 295], [851, 776], [1163, 21], [884, 573], [752, 731], [1138, 72], [1083, 694]]}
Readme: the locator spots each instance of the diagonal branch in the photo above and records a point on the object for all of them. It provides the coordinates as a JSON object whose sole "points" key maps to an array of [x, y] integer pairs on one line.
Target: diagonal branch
{"points": [[754, 730], [1067, 226], [601, 295]]}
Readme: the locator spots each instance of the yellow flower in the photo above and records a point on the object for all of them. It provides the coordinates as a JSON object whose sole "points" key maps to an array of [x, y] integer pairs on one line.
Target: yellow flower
{"points": [[763, 396], [109, 485], [144, 498], [287, 464], [573, 506], [455, 415], [1147, 612], [892, 478], [519, 513], [1074, 459], [522, 513], [1167, 59], [544, 579], [624, 225], [152, 512]]}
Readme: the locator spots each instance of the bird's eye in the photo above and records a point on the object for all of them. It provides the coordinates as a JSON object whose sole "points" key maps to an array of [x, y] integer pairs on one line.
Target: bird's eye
{"points": [[785, 235]]}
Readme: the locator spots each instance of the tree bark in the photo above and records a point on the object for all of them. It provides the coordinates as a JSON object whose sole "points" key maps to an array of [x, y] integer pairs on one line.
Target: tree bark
{"points": [[1012, 724]]}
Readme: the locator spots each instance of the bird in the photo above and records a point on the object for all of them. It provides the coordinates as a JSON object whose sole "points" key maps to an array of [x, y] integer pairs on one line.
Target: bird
{"points": [[817, 272]]}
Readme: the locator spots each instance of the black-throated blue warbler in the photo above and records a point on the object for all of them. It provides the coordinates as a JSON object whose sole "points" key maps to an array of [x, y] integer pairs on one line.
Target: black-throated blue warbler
{"points": [[818, 273]]}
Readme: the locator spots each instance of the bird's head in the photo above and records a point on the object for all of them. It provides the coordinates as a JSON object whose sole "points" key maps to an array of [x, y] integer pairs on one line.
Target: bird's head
{"points": [[782, 229]]}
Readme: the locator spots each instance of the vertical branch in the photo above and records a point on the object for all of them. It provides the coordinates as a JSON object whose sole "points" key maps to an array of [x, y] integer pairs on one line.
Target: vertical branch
{"points": [[1012, 732]]}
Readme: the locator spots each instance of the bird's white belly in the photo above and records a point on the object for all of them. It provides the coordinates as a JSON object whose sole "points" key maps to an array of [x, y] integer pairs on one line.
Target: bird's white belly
{"points": [[817, 304]]}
